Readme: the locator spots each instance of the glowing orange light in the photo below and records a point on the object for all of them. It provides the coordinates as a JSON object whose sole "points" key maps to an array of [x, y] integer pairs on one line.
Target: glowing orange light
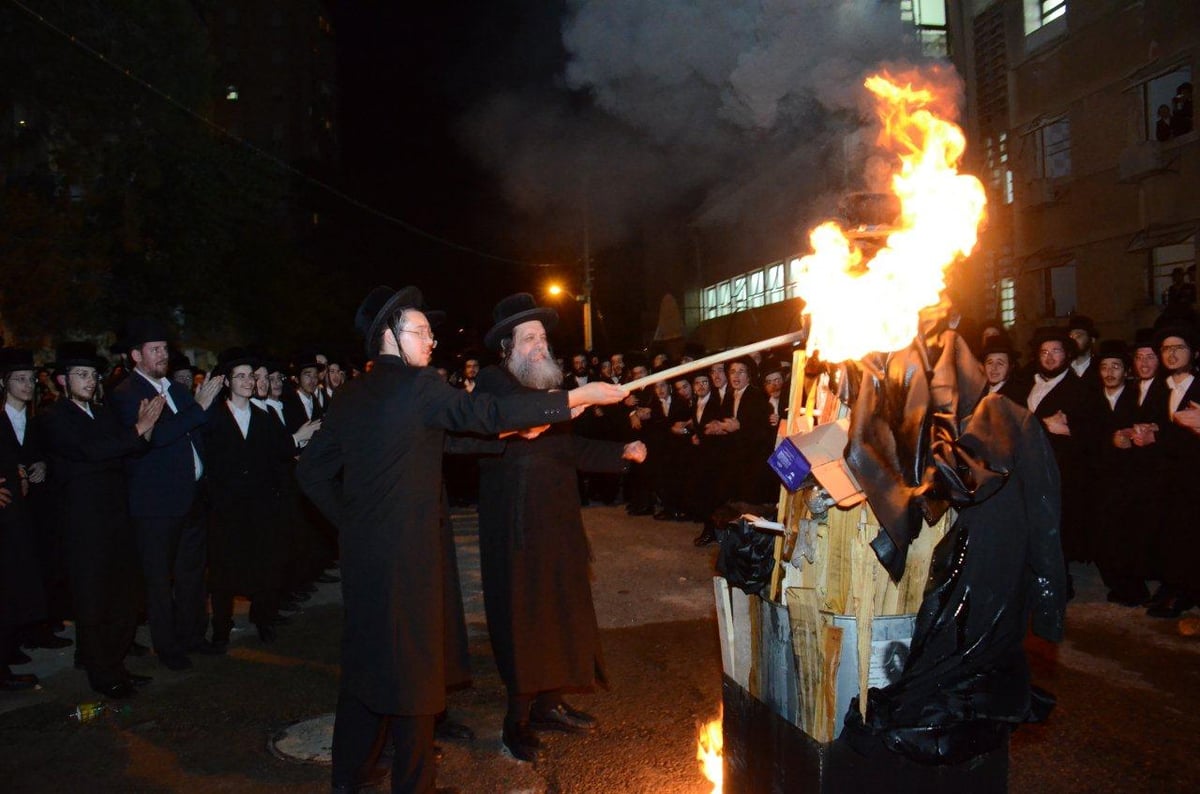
{"points": [[555, 290], [709, 747], [858, 306]]}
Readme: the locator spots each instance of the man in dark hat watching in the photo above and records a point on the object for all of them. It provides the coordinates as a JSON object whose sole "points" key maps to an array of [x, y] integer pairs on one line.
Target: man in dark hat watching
{"points": [[1070, 414], [1000, 367], [248, 455], [303, 404], [1083, 333], [1179, 438], [166, 499], [88, 445], [375, 471], [180, 370], [533, 550]]}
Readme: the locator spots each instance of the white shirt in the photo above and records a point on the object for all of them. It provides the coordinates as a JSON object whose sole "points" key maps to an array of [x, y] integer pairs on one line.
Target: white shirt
{"points": [[86, 408], [737, 399], [700, 403], [307, 401], [1112, 398], [1042, 387], [1143, 387], [995, 387], [268, 404], [163, 387], [19, 420], [1178, 390], [241, 416], [1081, 368]]}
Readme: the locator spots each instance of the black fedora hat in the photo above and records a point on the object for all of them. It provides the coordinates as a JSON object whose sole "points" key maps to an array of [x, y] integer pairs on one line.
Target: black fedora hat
{"points": [[999, 343], [178, 361], [77, 354], [380, 302], [1184, 331], [305, 359], [511, 312], [1054, 333], [1143, 337], [234, 357], [1083, 323], [1114, 348], [140, 330], [14, 359]]}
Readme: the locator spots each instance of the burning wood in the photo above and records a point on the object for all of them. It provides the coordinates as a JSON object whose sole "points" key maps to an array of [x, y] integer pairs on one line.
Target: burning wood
{"points": [[709, 747]]}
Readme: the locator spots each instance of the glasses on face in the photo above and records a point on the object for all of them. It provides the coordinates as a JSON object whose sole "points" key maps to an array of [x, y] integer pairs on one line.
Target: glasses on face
{"points": [[27, 380], [425, 334], [1173, 348]]}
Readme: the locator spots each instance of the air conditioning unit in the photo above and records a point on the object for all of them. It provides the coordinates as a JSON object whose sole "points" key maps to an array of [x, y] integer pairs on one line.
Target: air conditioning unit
{"points": [[1141, 160], [1040, 193]]}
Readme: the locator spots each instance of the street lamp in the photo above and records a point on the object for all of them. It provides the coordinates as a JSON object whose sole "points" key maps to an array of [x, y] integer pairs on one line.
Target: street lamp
{"points": [[585, 299]]}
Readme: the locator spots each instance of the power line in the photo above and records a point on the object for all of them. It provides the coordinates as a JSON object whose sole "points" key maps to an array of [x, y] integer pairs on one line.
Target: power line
{"points": [[288, 167]]}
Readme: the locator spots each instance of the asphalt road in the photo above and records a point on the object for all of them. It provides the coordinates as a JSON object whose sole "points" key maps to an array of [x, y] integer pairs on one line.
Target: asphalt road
{"points": [[1127, 718]]}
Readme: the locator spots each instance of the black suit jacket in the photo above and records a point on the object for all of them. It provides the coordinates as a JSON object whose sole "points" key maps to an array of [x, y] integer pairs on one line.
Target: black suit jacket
{"points": [[162, 479]]}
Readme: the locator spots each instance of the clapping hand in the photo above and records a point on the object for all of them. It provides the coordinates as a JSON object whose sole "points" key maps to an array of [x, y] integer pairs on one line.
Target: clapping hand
{"points": [[635, 451], [208, 390], [148, 413]]}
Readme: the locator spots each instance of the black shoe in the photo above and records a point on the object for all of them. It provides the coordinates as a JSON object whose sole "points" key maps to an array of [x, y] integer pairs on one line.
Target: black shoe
{"points": [[118, 691], [328, 578], [562, 718], [455, 731], [175, 661], [136, 680], [137, 649], [521, 743], [266, 632], [49, 640], [18, 657], [709, 535], [16, 682]]}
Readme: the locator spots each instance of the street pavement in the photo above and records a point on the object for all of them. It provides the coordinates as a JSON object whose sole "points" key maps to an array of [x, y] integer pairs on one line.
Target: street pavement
{"points": [[1126, 720]]}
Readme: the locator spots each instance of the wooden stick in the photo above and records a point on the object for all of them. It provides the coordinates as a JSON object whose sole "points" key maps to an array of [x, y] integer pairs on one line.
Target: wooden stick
{"points": [[708, 361]]}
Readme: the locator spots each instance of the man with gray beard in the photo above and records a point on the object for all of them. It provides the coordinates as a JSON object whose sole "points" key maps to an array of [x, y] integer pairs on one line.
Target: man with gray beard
{"points": [[534, 553]]}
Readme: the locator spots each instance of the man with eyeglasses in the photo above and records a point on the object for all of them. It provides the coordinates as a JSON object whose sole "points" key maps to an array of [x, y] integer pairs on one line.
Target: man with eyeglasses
{"points": [[375, 470], [1180, 441], [88, 444], [249, 456]]}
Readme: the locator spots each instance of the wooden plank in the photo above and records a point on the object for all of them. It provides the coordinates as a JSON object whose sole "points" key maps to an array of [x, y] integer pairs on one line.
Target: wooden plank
{"points": [[831, 654], [866, 564], [724, 624], [804, 614], [739, 604]]}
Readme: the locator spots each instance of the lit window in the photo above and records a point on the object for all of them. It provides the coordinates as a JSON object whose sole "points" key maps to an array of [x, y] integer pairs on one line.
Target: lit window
{"points": [[793, 278], [755, 289], [929, 18], [231, 93], [737, 299], [1039, 13], [775, 291], [1008, 302], [724, 304], [1164, 260], [710, 303], [1167, 107]]}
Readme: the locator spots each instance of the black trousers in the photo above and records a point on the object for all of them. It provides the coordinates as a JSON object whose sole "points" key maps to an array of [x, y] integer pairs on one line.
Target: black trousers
{"points": [[102, 648], [358, 736], [173, 553]]}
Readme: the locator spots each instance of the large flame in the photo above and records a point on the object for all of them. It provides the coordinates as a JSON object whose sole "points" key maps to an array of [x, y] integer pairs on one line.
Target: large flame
{"points": [[859, 308], [709, 747]]}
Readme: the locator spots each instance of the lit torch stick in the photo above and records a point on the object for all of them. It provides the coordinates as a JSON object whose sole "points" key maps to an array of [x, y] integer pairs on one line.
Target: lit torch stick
{"points": [[715, 358]]}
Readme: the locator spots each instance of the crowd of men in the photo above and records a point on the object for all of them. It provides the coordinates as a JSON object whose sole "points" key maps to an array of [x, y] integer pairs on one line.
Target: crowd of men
{"points": [[150, 490]]}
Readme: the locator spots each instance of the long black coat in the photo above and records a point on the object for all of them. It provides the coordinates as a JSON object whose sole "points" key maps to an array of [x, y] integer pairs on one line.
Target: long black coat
{"points": [[246, 540], [384, 435], [1180, 538], [22, 599], [534, 555], [1118, 542], [87, 474]]}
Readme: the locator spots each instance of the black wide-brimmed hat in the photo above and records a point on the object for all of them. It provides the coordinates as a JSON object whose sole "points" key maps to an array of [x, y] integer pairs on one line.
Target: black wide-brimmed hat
{"points": [[234, 357], [999, 343], [305, 359], [1184, 331], [1143, 337], [381, 302], [178, 361], [511, 312], [14, 359], [141, 330], [77, 354], [1114, 348], [1054, 333], [1084, 323]]}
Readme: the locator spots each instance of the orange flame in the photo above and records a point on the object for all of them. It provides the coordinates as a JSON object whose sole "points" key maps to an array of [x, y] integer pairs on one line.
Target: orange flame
{"points": [[709, 746], [859, 308]]}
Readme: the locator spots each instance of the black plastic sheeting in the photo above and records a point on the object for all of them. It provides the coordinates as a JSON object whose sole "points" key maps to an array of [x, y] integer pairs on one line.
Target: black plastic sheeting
{"points": [[923, 439], [747, 555]]}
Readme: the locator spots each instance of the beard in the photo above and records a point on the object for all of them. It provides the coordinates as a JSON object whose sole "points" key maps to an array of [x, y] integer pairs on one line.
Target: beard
{"points": [[1053, 373], [544, 374]]}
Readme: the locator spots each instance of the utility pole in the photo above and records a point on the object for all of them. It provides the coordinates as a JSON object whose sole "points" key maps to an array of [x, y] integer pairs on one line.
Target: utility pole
{"points": [[587, 279]]}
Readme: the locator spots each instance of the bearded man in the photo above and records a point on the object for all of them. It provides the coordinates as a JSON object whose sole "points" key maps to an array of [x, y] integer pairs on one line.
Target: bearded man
{"points": [[534, 552]]}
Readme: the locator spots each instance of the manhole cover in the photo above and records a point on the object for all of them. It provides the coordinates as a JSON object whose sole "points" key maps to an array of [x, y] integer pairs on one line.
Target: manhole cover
{"points": [[308, 741]]}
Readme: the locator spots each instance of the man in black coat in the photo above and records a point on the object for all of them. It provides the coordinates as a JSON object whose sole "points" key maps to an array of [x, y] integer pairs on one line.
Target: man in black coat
{"points": [[533, 550], [87, 445], [248, 456], [374, 471], [22, 601], [1071, 415], [166, 494], [704, 474]]}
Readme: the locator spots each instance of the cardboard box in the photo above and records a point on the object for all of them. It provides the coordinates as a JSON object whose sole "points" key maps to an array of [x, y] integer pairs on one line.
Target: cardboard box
{"points": [[818, 452]]}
